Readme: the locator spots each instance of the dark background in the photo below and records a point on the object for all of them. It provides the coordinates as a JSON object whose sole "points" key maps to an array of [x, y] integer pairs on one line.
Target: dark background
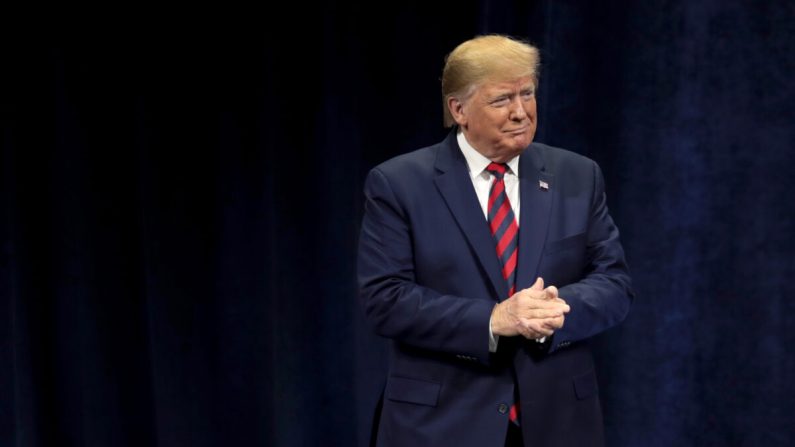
{"points": [[181, 200]]}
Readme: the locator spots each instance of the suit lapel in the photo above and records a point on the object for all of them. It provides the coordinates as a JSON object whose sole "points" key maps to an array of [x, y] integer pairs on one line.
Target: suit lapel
{"points": [[455, 185], [534, 214]]}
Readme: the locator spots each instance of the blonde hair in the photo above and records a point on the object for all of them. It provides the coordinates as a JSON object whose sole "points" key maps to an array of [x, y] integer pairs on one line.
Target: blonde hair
{"points": [[491, 57]]}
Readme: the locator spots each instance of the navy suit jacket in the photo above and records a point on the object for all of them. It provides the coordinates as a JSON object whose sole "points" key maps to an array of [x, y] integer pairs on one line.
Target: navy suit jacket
{"points": [[429, 278]]}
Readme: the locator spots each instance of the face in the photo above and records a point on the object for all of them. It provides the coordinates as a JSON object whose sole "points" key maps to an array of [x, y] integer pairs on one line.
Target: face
{"points": [[499, 118]]}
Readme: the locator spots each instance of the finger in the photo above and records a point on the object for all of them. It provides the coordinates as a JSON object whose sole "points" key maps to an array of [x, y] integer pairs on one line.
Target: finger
{"points": [[563, 303], [527, 333], [543, 314], [533, 292], [530, 334], [552, 292], [536, 329], [539, 284], [554, 324], [534, 326], [538, 303]]}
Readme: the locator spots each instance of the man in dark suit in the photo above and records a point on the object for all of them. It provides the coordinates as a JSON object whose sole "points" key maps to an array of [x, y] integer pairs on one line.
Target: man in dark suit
{"points": [[489, 261]]}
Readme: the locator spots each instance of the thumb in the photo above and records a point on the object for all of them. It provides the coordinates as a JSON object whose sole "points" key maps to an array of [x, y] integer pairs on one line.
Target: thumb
{"points": [[539, 284]]}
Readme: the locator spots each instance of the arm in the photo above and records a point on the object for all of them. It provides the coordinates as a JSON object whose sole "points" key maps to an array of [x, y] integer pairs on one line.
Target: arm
{"points": [[394, 304], [602, 298]]}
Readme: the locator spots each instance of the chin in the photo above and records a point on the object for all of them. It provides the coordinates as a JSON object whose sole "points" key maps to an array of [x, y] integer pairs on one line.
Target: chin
{"points": [[519, 144], [510, 151]]}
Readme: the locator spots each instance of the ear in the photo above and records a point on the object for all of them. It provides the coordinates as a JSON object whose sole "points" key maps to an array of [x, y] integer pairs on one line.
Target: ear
{"points": [[456, 108]]}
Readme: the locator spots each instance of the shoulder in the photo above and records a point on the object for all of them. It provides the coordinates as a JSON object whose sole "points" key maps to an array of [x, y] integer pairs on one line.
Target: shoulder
{"points": [[407, 173], [409, 177], [570, 170], [556, 159], [418, 162]]}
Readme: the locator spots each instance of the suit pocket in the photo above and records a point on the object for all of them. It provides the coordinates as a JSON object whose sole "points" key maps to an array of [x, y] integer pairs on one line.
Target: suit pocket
{"points": [[585, 385], [415, 391], [578, 240]]}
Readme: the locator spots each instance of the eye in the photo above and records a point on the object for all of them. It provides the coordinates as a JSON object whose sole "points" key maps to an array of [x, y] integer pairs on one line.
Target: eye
{"points": [[527, 94], [500, 101]]}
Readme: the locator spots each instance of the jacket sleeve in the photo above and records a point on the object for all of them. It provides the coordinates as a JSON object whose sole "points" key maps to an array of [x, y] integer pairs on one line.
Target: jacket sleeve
{"points": [[394, 304], [602, 298]]}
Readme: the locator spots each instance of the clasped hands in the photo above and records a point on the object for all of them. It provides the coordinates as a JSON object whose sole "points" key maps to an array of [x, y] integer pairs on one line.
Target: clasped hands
{"points": [[532, 313]]}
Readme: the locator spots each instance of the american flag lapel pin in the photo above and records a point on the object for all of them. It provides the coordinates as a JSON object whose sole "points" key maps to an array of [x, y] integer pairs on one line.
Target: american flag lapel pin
{"points": [[543, 185]]}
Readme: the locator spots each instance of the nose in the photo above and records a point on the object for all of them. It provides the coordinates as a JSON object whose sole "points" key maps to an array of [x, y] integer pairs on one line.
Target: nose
{"points": [[518, 112]]}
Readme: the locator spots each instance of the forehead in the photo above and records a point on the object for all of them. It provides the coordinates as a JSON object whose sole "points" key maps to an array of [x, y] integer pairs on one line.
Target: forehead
{"points": [[496, 86]]}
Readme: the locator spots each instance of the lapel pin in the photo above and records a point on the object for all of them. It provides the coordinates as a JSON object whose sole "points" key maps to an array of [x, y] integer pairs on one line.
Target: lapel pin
{"points": [[543, 185]]}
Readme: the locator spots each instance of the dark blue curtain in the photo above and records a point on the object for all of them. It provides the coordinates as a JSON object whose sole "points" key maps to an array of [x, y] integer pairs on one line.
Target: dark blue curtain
{"points": [[181, 200]]}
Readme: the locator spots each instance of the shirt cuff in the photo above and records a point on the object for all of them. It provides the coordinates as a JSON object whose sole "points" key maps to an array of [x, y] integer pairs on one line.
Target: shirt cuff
{"points": [[493, 339]]}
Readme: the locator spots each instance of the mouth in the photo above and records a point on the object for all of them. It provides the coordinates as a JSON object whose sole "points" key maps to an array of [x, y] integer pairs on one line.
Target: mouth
{"points": [[518, 131]]}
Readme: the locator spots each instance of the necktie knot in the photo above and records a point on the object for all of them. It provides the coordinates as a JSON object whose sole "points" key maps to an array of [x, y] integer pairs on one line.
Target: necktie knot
{"points": [[497, 169]]}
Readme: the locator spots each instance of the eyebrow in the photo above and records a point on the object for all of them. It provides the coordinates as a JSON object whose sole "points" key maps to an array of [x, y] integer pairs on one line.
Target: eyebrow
{"points": [[504, 93]]}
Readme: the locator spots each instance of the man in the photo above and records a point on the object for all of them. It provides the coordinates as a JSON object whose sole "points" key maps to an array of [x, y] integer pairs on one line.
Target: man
{"points": [[489, 260]]}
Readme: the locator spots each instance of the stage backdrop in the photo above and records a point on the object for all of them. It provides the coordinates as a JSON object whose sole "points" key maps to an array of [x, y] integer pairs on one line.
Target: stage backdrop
{"points": [[181, 202]]}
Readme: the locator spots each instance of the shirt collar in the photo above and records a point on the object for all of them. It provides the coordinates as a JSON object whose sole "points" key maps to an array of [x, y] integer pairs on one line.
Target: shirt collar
{"points": [[476, 161]]}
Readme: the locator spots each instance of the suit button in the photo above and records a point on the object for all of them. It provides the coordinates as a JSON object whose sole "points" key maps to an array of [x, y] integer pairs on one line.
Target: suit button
{"points": [[502, 408]]}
